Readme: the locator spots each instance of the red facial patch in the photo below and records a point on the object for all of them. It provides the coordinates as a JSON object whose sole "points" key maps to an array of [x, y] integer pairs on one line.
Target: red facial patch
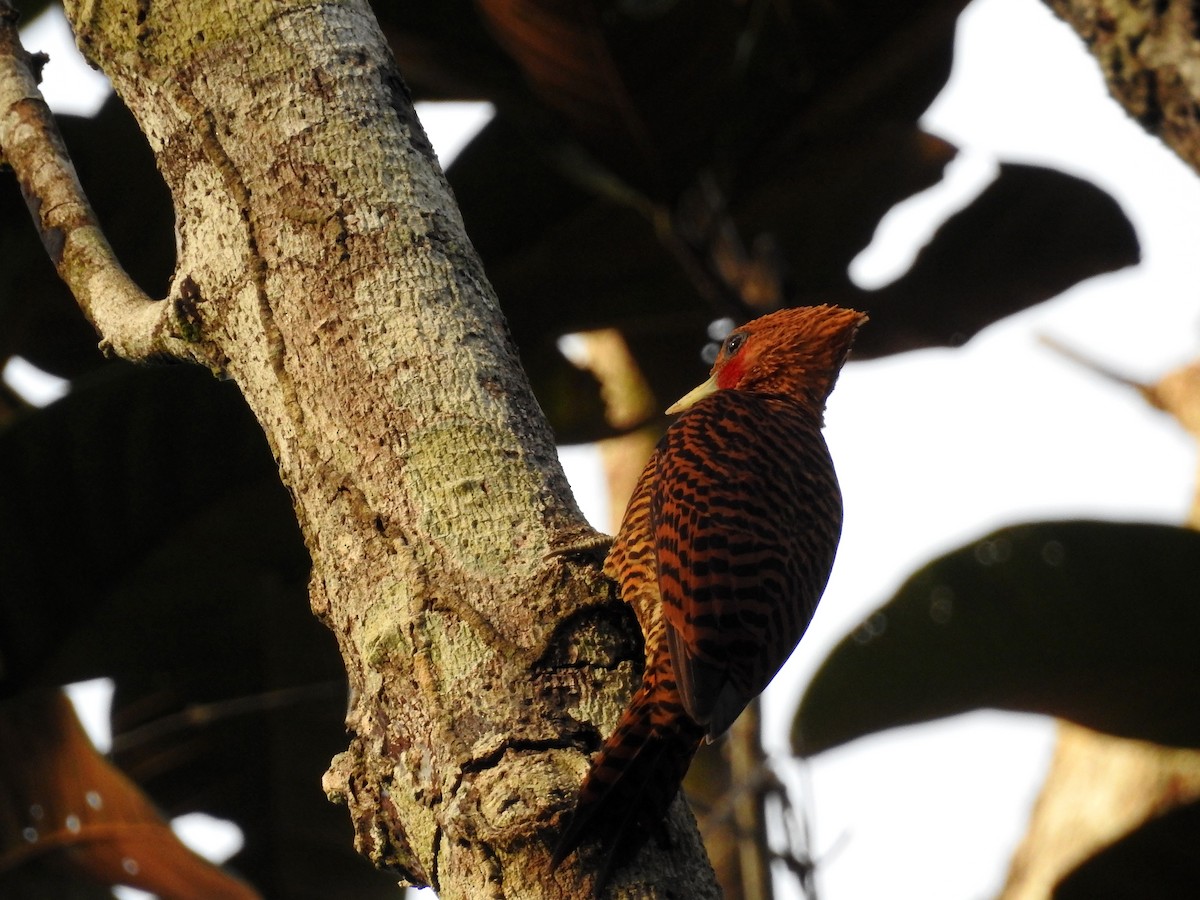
{"points": [[733, 370]]}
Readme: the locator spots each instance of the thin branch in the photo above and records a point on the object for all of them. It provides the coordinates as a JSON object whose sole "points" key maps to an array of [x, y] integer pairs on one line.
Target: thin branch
{"points": [[796, 821], [1177, 393], [131, 324], [748, 767], [1080, 359], [201, 715]]}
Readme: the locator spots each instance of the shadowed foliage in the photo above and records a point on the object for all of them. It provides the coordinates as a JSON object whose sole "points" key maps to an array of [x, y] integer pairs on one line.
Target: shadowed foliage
{"points": [[618, 186], [1089, 621]]}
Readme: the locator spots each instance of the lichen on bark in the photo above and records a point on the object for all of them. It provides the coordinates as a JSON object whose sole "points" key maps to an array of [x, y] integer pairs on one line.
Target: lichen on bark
{"points": [[1150, 56]]}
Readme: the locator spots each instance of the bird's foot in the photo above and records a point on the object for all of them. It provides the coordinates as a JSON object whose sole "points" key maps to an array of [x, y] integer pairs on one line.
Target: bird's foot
{"points": [[581, 541]]}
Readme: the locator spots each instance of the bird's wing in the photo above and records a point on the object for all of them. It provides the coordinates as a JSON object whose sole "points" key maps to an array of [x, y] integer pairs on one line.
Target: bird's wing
{"points": [[746, 515], [631, 561]]}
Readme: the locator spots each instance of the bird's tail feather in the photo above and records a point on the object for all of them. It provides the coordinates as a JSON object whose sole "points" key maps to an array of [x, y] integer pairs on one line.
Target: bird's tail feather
{"points": [[636, 774]]}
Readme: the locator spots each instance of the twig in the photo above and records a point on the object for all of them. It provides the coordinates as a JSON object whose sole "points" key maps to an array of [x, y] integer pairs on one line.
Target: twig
{"points": [[748, 769], [1147, 391], [131, 324], [201, 715]]}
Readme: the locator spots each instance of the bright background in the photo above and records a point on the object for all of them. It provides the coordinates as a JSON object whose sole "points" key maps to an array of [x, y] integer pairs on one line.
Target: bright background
{"points": [[936, 447]]}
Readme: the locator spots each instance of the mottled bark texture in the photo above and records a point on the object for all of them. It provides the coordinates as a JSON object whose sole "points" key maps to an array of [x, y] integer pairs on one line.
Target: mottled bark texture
{"points": [[1149, 51], [323, 266]]}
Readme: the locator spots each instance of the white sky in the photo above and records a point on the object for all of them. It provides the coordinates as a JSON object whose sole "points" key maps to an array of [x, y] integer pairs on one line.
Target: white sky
{"points": [[934, 448]]}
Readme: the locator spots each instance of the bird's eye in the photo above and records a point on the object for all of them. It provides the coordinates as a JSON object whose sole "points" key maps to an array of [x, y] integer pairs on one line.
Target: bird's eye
{"points": [[734, 342]]}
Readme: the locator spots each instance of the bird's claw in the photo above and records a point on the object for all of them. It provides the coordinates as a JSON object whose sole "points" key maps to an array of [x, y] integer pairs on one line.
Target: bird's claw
{"points": [[584, 541]]}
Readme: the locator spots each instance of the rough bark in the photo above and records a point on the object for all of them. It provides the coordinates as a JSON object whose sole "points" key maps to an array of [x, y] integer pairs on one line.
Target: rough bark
{"points": [[1150, 55], [323, 266]]}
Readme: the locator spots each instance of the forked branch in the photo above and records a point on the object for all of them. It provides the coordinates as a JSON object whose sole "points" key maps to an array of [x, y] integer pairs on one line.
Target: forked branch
{"points": [[132, 324]]}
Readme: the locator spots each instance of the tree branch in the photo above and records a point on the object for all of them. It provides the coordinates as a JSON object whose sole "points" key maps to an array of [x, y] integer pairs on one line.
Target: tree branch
{"points": [[1147, 53], [133, 325], [323, 266]]}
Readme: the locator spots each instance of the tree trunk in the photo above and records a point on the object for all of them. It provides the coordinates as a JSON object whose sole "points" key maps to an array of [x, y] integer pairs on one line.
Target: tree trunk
{"points": [[1148, 54], [323, 266]]}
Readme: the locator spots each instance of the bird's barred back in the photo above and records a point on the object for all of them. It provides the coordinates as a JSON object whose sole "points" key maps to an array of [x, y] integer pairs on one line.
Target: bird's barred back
{"points": [[746, 514]]}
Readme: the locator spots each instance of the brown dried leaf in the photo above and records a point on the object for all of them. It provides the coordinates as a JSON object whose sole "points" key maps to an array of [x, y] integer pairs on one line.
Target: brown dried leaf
{"points": [[63, 803]]}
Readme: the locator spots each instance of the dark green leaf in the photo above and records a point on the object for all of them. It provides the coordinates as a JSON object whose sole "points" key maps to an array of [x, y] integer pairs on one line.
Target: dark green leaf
{"points": [[30, 9], [1097, 622], [109, 477], [145, 536], [444, 51], [1031, 234]]}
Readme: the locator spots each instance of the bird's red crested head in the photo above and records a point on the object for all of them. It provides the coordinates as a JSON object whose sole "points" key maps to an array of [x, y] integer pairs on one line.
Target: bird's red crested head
{"points": [[794, 352]]}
